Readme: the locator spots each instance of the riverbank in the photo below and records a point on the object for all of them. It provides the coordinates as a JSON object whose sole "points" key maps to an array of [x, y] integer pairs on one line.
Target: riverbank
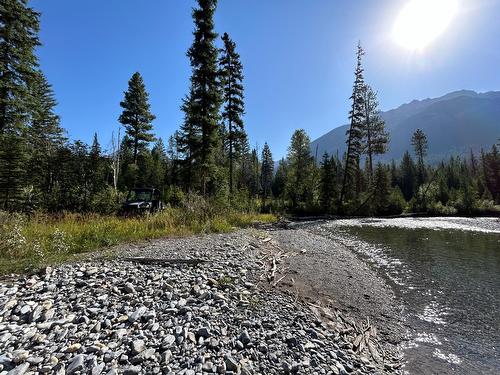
{"points": [[220, 303], [31, 242]]}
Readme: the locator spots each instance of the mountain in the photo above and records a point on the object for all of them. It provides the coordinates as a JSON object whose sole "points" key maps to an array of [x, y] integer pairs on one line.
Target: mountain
{"points": [[453, 123]]}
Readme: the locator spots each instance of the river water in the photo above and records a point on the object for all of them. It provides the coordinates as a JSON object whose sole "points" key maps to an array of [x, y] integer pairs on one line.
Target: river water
{"points": [[446, 273]]}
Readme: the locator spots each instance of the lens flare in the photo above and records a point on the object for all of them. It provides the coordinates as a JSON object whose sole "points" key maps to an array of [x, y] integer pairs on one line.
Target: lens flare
{"points": [[422, 21]]}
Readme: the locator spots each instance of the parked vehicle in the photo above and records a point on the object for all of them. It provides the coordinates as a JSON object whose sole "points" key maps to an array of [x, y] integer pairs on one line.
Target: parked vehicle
{"points": [[142, 201]]}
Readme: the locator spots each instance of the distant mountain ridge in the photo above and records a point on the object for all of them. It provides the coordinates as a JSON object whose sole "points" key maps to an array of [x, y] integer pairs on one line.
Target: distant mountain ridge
{"points": [[454, 123]]}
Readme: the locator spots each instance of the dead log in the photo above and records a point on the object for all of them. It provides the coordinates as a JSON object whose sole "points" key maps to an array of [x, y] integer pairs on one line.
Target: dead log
{"points": [[164, 261]]}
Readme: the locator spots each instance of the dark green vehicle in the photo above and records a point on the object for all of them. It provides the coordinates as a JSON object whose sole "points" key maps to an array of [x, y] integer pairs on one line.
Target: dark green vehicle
{"points": [[142, 201]]}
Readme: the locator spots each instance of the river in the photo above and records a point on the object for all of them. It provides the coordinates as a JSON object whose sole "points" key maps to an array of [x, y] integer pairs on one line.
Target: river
{"points": [[446, 274]]}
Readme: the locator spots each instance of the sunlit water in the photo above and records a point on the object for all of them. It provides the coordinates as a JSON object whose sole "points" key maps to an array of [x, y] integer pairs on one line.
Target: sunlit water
{"points": [[446, 272]]}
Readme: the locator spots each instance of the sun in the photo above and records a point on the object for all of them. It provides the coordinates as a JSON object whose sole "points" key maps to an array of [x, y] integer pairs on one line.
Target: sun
{"points": [[422, 21]]}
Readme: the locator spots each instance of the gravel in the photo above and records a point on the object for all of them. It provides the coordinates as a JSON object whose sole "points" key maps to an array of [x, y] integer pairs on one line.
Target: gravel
{"points": [[116, 316]]}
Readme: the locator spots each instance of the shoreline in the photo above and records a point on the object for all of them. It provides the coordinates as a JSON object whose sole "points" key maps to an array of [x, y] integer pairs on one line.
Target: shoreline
{"points": [[227, 311]]}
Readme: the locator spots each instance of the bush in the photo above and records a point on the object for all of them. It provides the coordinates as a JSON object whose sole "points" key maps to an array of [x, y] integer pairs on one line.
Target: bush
{"points": [[396, 204], [107, 201]]}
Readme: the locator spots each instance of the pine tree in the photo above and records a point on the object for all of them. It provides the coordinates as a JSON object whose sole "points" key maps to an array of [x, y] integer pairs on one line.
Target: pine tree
{"points": [[328, 183], [419, 143], [376, 138], [382, 190], [198, 140], [173, 160], [231, 73], [136, 116], [473, 163], [356, 128], [492, 172], [159, 167], [279, 182], [44, 137], [96, 170], [267, 173], [19, 26], [408, 176], [300, 169]]}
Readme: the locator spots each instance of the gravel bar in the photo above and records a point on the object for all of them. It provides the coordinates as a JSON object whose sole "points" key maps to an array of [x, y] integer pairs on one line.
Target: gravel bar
{"points": [[214, 304]]}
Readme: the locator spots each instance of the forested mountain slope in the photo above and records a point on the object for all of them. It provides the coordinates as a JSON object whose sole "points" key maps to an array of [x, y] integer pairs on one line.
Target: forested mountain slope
{"points": [[453, 123]]}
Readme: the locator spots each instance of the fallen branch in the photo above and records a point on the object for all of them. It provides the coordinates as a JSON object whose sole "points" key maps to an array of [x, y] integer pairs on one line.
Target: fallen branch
{"points": [[166, 261]]}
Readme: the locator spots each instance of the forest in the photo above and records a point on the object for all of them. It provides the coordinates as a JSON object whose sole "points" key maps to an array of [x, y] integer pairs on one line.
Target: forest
{"points": [[208, 165]]}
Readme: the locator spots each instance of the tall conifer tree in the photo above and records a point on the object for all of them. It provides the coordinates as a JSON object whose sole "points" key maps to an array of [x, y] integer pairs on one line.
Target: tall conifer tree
{"points": [[136, 116], [419, 143], [199, 135], [356, 128], [231, 73], [267, 173], [376, 139], [19, 26], [45, 136], [300, 169]]}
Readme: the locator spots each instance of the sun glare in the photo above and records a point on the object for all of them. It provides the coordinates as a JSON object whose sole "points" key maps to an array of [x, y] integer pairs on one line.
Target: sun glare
{"points": [[422, 21]]}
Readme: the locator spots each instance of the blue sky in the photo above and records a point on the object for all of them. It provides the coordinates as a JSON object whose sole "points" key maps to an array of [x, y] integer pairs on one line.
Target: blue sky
{"points": [[298, 58]]}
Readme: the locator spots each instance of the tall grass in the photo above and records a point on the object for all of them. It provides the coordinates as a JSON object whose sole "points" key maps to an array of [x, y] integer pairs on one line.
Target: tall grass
{"points": [[27, 243]]}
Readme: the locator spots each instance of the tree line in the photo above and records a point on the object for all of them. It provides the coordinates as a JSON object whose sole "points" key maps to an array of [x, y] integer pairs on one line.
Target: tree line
{"points": [[210, 154]]}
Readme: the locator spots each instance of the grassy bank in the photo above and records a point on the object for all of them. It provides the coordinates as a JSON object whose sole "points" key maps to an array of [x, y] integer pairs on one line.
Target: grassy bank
{"points": [[28, 243]]}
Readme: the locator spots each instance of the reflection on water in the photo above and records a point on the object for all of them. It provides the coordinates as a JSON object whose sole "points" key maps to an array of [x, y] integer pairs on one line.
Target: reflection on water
{"points": [[447, 274]]}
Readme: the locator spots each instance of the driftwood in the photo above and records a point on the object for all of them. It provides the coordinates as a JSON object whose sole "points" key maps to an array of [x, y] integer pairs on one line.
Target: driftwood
{"points": [[187, 261], [363, 338]]}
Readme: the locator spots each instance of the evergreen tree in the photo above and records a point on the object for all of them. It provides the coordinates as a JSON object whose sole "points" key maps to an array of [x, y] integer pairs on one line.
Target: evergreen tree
{"points": [[279, 182], [173, 160], [382, 190], [231, 73], [376, 138], [44, 137], [492, 172], [136, 116], [356, 129], [328, 183], [300, 169], [96, 168], [267, 173], [159, 167], [188, 143], [419, 143], [408, 176], [19, 26], [199, 135], [473, 163]]}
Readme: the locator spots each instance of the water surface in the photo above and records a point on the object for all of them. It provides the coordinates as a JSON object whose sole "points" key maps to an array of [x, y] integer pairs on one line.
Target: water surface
{"points": [[446, 272]]}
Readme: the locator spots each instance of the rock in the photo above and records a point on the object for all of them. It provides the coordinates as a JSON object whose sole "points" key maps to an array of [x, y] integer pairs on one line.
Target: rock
{"points": [[138, 346], [137, 314], [203, 332], [74, 348], [96, 328], [143, 356], [132, 370], [169, 340], [129, 288], [97, 369], [245, 338], [20, 370], [77, 364], [231, 364], [286, 367], [165, 357], [20, 356]]}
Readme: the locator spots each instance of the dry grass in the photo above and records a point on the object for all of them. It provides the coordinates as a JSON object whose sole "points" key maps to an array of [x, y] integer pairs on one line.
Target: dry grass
{"points": [[26, 244]]}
